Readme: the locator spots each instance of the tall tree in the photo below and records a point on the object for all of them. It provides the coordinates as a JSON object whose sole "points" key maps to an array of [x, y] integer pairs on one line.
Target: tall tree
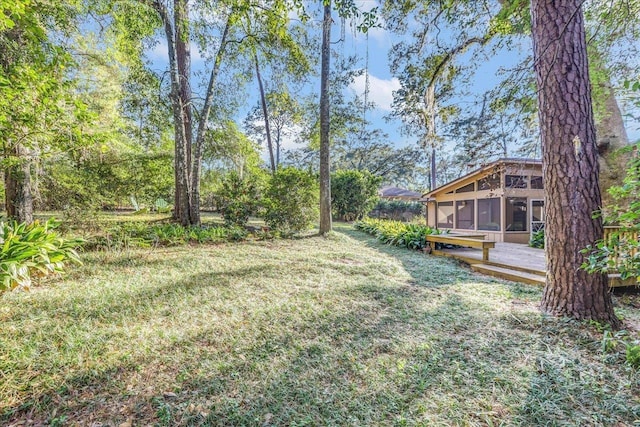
{"points": [[176, 21], [36, 106], [285, 115], [570, 162], [325, 166]]}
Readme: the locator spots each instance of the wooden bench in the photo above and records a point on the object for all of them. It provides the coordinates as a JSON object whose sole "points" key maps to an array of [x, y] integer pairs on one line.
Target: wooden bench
{"points": [[472, 242]]}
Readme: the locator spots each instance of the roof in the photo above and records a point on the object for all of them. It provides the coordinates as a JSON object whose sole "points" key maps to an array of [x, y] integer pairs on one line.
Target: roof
{"points": [[500, 162], [398, 192]]}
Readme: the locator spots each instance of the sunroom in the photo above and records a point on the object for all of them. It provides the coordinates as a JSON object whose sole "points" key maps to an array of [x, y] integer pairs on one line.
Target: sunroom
{"points": [[503, 200]]}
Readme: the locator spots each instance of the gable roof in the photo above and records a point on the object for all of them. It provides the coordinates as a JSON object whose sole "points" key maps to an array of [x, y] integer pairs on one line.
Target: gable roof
{"points": [[483, 169], [398, 192]]}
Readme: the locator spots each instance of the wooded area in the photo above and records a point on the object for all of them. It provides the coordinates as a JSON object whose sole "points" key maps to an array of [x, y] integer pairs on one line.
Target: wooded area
{"points": [[159, 123]]}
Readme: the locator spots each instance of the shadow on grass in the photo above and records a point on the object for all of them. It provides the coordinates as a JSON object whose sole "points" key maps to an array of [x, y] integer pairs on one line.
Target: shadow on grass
{"points": [[376, 353], [427, 270]]}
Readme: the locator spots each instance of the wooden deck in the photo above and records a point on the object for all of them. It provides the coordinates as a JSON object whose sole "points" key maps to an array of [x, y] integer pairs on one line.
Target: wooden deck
{"points": [[512, 261], [509, 254]]}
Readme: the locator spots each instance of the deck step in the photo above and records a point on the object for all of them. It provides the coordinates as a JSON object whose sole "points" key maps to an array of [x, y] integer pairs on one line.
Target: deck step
{"points": [[528, 270], [509, 274]]}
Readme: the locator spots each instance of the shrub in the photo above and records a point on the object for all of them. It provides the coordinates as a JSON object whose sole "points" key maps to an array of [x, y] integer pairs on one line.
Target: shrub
{"points": [[292, 201], [397, 210], [106, 179], [621, 250], [537, 239], [396, 233], [237, 199], [32, 250], [353, 193]]}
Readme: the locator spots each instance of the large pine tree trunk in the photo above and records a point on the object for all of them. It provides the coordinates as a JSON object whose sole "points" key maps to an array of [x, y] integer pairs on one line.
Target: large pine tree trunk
{"points": [[325, 170], [570, 162], [17, 178]]}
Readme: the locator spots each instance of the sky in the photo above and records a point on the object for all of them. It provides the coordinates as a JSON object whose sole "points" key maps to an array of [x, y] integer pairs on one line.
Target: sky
{"points": [[378, 43]]}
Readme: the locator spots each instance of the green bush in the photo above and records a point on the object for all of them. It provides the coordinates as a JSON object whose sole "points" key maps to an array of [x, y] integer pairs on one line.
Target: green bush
{"points": [[292, 201], [537, 239], [32, 250], [620, 252], [99, 180], [633, 355], [397, 209], [396, 233], [353, 193], [237, 199]]}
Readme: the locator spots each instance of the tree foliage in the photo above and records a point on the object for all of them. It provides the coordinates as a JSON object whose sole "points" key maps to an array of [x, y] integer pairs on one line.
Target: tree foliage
{"points": [[238, 198], [291, 201], [620, 252], [353, 193]]}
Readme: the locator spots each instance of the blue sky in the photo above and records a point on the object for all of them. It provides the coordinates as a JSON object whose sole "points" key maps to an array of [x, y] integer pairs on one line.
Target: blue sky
{"points": [[382, 83]]}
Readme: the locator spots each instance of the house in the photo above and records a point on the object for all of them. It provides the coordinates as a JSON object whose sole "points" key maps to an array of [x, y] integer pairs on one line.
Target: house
{"points": [[503, 200], [397, 193]]}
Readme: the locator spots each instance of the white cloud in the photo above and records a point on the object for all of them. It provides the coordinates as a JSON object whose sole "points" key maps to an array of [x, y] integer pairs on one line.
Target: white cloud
{"points": [[160, 52], [380, 90], [380, 35]]}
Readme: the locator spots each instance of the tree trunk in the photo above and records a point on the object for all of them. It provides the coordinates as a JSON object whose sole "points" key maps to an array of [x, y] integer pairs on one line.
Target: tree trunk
{"points": [[183, 148], [570, 162], [278, 145], [202, 127], [611, 137], [17, 178], [325, 171], [434, 172], [265, 113]]}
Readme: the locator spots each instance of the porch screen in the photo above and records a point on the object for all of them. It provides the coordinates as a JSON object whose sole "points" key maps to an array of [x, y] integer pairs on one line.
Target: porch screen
{"points": [[464, 218], [516, 214], [489, 214], [445, 215]]}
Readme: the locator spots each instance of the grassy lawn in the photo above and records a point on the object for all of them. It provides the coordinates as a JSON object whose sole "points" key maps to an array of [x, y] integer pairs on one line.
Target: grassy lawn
{"points": [[315, 331]]}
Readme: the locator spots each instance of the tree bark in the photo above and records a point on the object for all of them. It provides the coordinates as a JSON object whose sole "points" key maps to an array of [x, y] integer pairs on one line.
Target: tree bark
{"points": [[325, 167], [183, 150], [611, 137], [278, 145], [570, 162], [17, 177], [202, 127], [265, 113]]}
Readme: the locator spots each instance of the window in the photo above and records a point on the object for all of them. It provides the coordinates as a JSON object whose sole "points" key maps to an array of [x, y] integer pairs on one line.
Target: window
{"points": [[516, 214], [491, 182], [464, 216], [489, 214], [467, 188], [445, 215], [537, 210], [515, 181], [537, 183]]}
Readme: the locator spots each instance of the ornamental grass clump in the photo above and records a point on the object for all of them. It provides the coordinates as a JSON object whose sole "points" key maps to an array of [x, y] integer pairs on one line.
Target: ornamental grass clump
{"points": [[29, 251]]}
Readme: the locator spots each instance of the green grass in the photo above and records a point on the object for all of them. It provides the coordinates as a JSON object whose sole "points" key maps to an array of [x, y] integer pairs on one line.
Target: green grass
{"points": [[315, 331]]}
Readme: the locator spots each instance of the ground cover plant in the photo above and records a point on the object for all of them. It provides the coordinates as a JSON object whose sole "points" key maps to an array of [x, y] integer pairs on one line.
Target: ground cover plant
{"points": [[28, 251], [396, 233], [343, 330]]}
